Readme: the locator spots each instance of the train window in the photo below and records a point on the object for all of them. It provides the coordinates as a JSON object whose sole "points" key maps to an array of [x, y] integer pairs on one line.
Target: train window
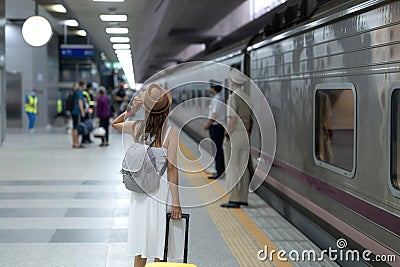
{"points": [[395, 140], [334, 127]]}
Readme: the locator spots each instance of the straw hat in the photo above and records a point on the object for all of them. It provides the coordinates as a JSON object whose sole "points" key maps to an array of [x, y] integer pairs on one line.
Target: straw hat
{"points": [[237, 77], [156, 99]]}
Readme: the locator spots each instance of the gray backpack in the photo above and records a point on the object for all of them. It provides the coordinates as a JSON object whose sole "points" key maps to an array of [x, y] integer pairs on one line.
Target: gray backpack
{"points": [[139, 171]]}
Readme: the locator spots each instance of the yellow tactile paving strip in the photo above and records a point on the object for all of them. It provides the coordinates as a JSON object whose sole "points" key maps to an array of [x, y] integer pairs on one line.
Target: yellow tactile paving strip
{"points": [[243, 237]]}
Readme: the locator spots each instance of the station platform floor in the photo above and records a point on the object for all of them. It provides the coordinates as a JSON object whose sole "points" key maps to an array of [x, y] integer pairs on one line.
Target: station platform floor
{"points": [[68, 207]]}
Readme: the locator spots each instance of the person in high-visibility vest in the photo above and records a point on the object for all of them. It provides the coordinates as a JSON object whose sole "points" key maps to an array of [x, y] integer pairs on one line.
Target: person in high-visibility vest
{"points": [[59, 106], [31, 107], [87, 99]]}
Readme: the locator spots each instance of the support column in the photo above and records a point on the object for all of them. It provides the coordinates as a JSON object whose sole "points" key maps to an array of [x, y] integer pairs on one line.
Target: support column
{"points": [[2, 72]]}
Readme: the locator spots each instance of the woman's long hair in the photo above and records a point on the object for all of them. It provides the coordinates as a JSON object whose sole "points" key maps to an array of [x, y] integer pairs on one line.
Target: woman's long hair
{"points": [[154, 125]]}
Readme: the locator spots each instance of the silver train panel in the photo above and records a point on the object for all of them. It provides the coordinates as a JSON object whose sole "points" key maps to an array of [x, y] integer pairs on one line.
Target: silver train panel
{"points": [[361, 50]]}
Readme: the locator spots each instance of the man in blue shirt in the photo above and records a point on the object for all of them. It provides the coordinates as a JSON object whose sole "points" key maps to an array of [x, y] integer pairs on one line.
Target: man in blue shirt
{"points": [[215, 126], [78, 113]]}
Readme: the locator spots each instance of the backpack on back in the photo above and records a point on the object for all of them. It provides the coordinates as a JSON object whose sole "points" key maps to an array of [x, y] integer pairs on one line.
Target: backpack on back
{"points": [[70, 101], [139, 171]]}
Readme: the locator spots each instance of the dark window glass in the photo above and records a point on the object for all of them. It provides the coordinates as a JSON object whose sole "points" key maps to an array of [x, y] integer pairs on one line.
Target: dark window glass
{"points": [[394, 140], [334, 127]]}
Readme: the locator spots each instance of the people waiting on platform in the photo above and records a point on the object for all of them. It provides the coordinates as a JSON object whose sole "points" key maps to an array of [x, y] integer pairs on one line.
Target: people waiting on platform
{"points": [[119, 99], [217, 116], [236, 144], [103, 114], [147, 216], [78, 113], [91, 99], [87, 100]]}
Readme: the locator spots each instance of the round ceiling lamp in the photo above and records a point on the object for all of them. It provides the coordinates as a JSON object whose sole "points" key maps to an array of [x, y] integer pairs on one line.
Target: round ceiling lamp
{"points": [[36, 31]]}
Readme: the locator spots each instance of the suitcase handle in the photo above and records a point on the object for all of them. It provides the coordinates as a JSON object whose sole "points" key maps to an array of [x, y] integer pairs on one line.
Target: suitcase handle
{"points": [[185, 251]]}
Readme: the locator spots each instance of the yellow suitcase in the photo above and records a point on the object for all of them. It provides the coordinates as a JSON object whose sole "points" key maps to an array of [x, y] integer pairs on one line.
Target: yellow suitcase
{"points": [[169, 264], [174, 264]]}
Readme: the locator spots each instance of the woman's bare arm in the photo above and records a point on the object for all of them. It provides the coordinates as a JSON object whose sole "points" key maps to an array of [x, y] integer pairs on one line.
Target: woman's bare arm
{"points": [[173, 173], [121, 125], [119, 122]]}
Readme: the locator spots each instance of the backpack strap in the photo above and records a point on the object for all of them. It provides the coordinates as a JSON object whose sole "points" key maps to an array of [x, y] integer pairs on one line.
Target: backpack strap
{"points": [[166, 135], [166, 162]]}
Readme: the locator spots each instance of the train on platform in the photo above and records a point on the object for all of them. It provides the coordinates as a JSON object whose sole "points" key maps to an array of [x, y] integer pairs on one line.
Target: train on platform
{"points": [[332, 80]]}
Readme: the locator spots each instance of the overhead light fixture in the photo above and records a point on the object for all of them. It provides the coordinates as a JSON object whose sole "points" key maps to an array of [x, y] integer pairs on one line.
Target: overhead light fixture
{"points": [[36, 31], [119, 39], [81, 33], [123, 52], [121, 46], [117, 30], [114, 17], [114, 1], [127, 67], [57, 8], [71, 23], [124, 55], [118, 51]]}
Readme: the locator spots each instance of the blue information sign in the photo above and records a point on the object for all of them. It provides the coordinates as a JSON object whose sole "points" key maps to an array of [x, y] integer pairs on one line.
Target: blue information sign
{"points": [[76, 51]]}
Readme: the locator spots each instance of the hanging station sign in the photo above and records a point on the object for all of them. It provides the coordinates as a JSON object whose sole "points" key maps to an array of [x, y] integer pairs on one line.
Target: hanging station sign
{"points": [[76, 51]]}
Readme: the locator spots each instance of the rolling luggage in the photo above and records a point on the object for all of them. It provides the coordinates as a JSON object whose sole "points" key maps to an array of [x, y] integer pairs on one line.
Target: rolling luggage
{"points": [[185, 252], [84, 127]]}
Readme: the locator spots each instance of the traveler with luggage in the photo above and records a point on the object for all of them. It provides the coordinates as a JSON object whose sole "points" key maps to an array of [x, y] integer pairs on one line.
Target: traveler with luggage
{"points": [[103, 114], [88, 106], [78, 113], [147, 216]]}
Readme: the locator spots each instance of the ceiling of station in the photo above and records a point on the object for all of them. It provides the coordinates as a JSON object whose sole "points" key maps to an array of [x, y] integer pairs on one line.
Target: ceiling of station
{"points": [[158, 29]]}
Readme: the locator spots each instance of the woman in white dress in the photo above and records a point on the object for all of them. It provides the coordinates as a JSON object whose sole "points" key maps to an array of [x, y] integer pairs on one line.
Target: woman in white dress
{"points": [[147, 216]]}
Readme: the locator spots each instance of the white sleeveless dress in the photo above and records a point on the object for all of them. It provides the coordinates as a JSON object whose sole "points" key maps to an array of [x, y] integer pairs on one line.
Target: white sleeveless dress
{"points": [[147, 219]]}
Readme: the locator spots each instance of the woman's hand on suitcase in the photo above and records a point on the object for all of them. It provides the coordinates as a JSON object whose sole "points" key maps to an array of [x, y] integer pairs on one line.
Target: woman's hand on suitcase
{"points": [[176, 212]]}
